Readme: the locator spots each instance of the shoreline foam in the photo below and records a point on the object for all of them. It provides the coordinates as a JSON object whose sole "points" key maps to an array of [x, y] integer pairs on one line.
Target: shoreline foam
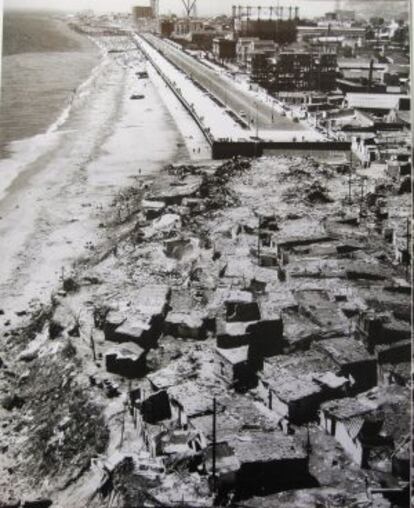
{"points": [[20, 153]]}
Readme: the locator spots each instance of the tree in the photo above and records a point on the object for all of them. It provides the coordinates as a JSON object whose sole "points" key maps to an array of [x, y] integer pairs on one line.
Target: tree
{"points": [[369, 34], [401, 35], [377, 22], [347, 52]]}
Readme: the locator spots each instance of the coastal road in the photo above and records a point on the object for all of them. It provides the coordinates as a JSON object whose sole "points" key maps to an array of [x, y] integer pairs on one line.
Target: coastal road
{"points": [[230, 94]]}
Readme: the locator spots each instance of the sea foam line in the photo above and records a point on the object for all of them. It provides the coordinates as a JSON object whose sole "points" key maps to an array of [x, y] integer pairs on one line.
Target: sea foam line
{"points": [[26, 151]]}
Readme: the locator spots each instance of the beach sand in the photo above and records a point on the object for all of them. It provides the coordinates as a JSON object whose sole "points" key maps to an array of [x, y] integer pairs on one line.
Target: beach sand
{"points": [[50, 214]]}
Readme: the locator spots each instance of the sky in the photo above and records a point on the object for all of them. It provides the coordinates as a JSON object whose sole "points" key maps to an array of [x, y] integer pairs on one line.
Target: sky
{"points": [[205, 7], [308, 8]]}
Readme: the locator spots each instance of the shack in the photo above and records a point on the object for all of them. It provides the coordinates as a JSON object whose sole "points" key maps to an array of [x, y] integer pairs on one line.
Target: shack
{"points": [[269, 462], [292, 396], [236, 366], [353, 360], [369, 426], [127, 360]]}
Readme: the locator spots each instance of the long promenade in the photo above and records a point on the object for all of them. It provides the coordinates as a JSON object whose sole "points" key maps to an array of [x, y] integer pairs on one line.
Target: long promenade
{"points": [[215, 104]]}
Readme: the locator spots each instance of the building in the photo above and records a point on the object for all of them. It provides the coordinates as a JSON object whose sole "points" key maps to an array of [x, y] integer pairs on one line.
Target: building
{"points": [[187, 26], [279, 31], [156, 408], [259, 65], [166, 27], [353, 360], [127, 360], [253, 456], [321, 307], [294, 386], [341, 15], [141, 11], [243, 47], [236, 366], [224, 49], [255, 55], [377, 103], [270, 461], [374, 328], [302, 71], [142, 322], [394, 365], [294, 398], [306, 33], [369, 427]]}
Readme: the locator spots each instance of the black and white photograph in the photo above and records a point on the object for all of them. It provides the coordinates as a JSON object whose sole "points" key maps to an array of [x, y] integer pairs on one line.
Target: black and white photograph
{"points": [[206, 254]]}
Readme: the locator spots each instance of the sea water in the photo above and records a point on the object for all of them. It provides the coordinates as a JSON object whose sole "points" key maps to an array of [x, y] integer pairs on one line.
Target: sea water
{"points": [[46, 67]]}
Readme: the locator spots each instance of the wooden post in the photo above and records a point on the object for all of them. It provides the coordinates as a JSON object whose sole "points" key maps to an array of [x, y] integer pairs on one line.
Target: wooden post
{"points": [[350, 178], [123, 426], [258, 241], [93, 347], [308, 441], [214, 444], [407, 268]]}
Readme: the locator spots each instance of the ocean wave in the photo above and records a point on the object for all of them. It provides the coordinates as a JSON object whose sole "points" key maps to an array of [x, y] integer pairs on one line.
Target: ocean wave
{"points": [[26, 151]]}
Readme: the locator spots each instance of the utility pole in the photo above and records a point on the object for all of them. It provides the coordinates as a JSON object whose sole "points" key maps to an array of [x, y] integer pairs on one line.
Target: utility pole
{"points": [[257, 119], [350, 180], [93, 347], [308, 441], [258, 241], [123, 426], [362, 195], [407, 269], [214, 444]]}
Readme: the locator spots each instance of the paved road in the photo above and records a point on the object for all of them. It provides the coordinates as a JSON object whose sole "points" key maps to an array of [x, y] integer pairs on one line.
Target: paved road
{"points": [[235, 99]]}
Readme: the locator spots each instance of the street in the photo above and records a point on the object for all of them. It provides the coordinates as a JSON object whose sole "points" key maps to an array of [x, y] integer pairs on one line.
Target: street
{"points": [[256, 112]]}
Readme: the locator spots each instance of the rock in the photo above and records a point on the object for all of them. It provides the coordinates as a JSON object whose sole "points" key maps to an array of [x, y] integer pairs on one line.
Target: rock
{"points": [[177, 248], [166, 223], [1, 312], [70, 285], [29, 354], [63, 320], [10, 504], [32, 349], [405, 185], [9, 402]]}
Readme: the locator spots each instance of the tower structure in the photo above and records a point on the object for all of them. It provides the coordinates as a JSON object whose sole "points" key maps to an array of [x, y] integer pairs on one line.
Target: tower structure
{"points": [[190, 7], [155, 6]]}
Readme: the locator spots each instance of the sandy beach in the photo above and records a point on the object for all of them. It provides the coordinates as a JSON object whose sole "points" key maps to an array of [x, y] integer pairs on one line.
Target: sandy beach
{"points": [[51, 212]]}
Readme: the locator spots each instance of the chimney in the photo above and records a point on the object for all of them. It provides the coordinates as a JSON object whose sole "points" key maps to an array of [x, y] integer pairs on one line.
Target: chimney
{"points": [[370, 75]]}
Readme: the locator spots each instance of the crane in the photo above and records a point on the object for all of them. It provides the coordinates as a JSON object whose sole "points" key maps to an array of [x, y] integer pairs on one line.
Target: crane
{"points": [[189, 6]]}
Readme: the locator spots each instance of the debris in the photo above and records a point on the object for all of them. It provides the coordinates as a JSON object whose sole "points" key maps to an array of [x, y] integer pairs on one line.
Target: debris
{"points": [[10, 402]]}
